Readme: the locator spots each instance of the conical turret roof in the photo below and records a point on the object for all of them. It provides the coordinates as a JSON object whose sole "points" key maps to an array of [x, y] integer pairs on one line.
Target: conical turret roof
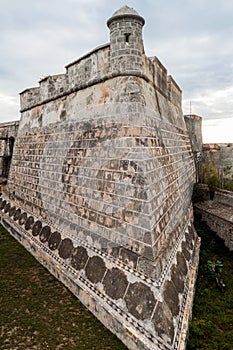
{"points": [[125, 11]]}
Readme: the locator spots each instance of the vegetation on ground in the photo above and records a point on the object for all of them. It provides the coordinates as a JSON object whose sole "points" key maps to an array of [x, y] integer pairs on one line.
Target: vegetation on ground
{"points": [[217, 178], [228, 184], [38, 312], [211, 327]]}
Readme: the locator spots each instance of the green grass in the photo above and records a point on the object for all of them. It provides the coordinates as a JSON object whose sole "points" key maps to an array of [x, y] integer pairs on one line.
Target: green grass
{"points": [[38, 312], [228, 184], [212, 325]]}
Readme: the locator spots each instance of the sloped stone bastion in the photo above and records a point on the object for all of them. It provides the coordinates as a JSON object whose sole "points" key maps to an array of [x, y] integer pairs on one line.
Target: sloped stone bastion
{"points": [[100, 188]]}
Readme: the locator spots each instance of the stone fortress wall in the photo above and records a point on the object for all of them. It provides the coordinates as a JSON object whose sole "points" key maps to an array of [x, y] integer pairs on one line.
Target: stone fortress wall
{"points": [[8, 133], [217, 212], [100, 188], [221, 156], [194, 127]]}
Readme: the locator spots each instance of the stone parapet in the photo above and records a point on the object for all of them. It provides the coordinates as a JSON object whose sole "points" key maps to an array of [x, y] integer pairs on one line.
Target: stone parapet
{"points": [[91, 69], [94, 69], [174, 92], [9, 129], [52, 86], [219, 217], [29, 98], [224, 197], [220, 155]]}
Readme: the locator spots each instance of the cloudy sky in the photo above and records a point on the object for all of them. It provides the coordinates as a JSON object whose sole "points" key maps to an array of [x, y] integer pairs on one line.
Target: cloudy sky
{"points": [[192, 38]]}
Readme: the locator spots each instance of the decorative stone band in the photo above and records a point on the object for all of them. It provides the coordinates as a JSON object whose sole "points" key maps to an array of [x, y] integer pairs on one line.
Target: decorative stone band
{"points": [[107, 284]]}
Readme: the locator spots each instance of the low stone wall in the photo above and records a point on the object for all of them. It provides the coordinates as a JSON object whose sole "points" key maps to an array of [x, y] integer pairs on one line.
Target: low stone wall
{"points": [[224, 197], [222, 227], [218, 215], [218, 157]]}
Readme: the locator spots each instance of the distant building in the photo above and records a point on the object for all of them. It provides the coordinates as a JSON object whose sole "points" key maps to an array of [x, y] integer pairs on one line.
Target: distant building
{"points": [[8, 133], [194, 127]]}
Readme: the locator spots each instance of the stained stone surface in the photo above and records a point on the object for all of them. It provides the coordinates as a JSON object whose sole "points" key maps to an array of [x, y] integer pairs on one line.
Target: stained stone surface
{"points": [[36, 228], [45, 233], [115, 283], [79, 258], [54, 240], [101, 182]]}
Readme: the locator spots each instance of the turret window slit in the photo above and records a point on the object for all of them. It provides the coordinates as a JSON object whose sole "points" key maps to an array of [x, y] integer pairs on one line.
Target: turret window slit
{"points": [[127, 35]]}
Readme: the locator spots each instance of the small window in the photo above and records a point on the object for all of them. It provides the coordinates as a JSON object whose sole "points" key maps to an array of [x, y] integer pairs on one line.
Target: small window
{"points": [[127, 35]]}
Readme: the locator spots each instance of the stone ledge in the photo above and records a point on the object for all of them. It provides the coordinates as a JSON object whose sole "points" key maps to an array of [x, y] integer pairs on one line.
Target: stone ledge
{"points": [[217, 209], [219, 218]]}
